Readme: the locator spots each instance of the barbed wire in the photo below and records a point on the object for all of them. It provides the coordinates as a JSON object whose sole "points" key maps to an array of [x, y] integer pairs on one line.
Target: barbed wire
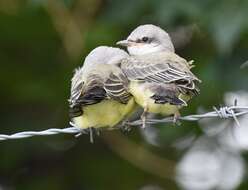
{"points": [[225, 112]]}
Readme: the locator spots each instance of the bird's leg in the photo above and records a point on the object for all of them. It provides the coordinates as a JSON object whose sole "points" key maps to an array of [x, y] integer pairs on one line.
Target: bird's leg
{"points": [[143, 117], [125, 127], [91, 134], [176, 117], [98, 132]]}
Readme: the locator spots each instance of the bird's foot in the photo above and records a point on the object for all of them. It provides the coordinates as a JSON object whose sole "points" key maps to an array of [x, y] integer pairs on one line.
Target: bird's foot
{"points": [[143, 119], [176, 118], [143, 122], [125, 127], [92, 131]]}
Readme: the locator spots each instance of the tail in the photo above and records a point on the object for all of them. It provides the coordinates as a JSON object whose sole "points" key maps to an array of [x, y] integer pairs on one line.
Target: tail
{"points": [[168, 93], [75, 111]]}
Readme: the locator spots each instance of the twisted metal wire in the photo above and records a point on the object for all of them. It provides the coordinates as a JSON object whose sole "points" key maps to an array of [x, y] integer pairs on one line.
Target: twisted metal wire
{"points": [[225, 112]]}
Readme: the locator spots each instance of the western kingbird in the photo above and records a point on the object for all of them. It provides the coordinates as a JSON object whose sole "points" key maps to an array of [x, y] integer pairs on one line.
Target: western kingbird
{"points": [[160, 80], [99, 96]]}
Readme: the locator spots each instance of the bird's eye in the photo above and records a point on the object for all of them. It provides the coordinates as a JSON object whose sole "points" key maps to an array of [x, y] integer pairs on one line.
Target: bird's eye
{"points": [[145, 39]]}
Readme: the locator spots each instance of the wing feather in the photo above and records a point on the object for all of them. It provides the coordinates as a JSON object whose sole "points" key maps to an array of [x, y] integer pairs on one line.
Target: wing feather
{"points": [[107, 83], [160, 68], [116, 87]]}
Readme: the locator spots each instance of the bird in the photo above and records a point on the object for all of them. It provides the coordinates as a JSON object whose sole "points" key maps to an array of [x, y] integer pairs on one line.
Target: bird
{"points": [[99, 96], [160, 80]]}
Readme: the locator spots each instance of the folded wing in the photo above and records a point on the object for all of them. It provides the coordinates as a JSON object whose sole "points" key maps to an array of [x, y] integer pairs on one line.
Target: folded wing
{"points": [[161, 68], [104, 84]]}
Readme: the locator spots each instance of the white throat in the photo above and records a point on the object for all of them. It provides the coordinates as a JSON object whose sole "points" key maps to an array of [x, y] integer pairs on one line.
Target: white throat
{"points": [[144, 49]]}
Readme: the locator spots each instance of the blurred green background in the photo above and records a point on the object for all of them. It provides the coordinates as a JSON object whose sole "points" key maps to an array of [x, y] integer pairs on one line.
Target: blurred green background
{"points": [[43, 41]]}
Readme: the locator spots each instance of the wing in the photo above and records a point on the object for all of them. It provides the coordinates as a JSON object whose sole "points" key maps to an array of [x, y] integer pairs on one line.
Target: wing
{"points": [[116, 87], [100, 85], [76, 86], [92, 91], [160, 68], [167, 93]]}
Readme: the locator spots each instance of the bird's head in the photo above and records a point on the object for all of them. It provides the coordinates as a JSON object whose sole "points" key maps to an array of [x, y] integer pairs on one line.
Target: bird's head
{"points": [[105, 55], [147, 39]]}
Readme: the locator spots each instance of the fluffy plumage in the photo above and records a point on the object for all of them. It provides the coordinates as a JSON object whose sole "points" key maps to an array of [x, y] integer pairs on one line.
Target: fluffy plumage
{"points": [[99, 96], [160, 81]]}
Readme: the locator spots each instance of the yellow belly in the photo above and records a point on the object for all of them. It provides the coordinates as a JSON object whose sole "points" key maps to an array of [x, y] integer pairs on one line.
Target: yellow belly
{"points": [[107, 113], [142, 97]]}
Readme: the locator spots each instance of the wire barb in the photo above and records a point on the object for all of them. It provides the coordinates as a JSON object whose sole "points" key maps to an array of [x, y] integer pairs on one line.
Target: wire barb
{"points": [[225, 112]]}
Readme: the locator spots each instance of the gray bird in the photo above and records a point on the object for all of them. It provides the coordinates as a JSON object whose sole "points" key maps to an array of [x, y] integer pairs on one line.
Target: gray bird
{"points": [[160, 80], [99, 96]]}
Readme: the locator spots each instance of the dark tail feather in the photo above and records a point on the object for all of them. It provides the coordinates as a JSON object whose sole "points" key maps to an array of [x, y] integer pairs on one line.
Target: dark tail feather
{"points": [[75, 111], [167, 99]]}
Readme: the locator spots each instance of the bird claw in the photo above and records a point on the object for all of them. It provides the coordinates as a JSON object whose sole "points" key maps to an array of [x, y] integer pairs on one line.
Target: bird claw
{"points": [[143, 122], [176, 118], [125, 127], [143, 117]]}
